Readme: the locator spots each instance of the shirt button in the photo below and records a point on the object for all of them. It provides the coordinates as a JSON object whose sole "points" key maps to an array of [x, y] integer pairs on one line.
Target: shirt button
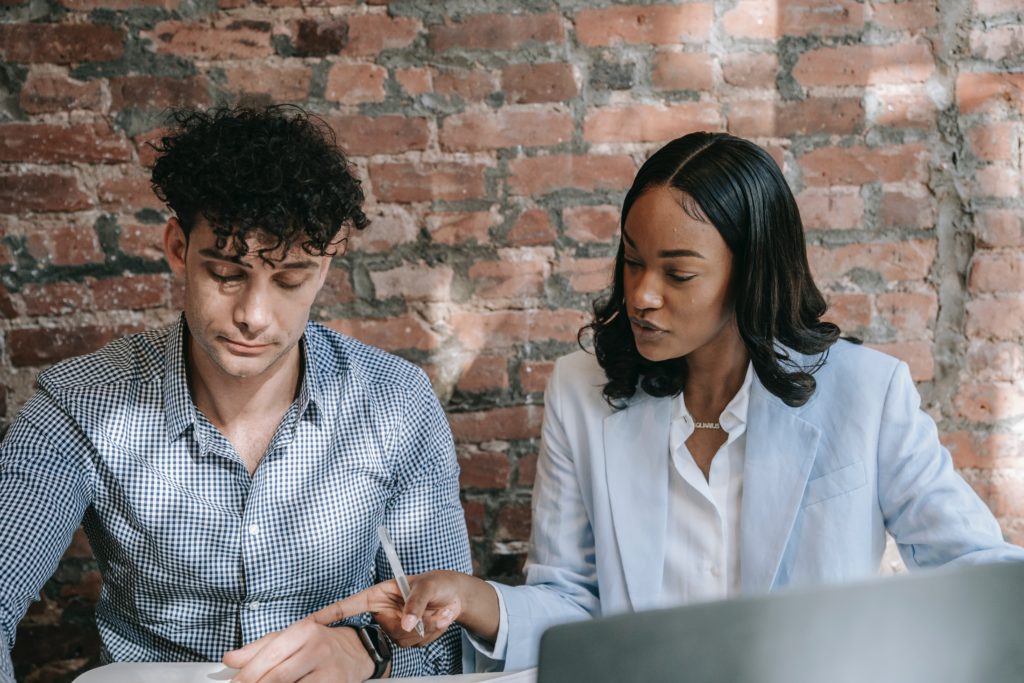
{"points": [[715, 571], [254, 605], [254, 529]]}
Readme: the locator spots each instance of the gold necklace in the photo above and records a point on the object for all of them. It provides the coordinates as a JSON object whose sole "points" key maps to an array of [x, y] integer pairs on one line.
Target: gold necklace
{"points": [[706, 425]]}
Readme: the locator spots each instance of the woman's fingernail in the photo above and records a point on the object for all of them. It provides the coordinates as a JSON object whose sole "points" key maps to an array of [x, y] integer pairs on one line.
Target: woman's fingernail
{"points": [[408, 622]]}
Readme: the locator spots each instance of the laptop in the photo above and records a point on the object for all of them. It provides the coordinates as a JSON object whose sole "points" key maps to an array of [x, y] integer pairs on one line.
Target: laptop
{"points": [[949, 625]]}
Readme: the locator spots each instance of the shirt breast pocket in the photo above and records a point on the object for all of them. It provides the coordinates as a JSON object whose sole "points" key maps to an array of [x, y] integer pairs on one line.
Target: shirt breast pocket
{"points": [[835, 483]]}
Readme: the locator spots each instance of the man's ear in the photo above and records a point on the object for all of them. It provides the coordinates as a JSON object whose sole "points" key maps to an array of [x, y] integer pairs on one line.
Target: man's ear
{"points": [[175, 246]]}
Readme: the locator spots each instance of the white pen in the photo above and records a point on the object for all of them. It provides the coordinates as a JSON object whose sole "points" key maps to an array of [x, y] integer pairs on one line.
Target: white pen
{"points": [[396, 569]]}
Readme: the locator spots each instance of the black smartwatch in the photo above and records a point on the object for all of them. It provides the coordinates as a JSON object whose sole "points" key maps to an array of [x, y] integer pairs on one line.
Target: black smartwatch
{"points": [[376, 646]]}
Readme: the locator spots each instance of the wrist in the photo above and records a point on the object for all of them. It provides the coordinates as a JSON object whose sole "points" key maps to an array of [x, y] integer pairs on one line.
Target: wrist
{"points": [[480, 612]]}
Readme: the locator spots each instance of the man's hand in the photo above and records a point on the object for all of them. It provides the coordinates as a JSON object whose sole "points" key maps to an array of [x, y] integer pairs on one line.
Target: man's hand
{"points": [[305, 650]]}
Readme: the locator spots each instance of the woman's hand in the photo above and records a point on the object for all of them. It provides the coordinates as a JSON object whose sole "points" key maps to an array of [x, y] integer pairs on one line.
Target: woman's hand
{"points": [[438, 598]]}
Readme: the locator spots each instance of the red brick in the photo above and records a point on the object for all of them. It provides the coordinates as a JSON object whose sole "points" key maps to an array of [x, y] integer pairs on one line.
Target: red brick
{"points": [[531, 83], [508, 279], [369, 34], [1000, 318], [917, 355], [533, 227], [89, 5], [907, 209], [420, 182], [58, 298], [894, 261], [469, 86], [389, 227], [987, 452], [907, 62], [497, 424], [337, 289], [476, 514], [41, 192], [682, 71], [484, 373], [996, 43], [474, 131], [497, 32], [994, 361], [586, 275], [144, 143], [905, 16], [142, 240], [999, 228], [34, 347], [649, 123], [902, 110], [527, 470], [652, 24], [129, 192], [995, 141], [859, 165], [87, 587], [60, 43], [998, 181], [764, 118], [49, 144], [592, 223], [8, 310], [910, 314], [849, 310], [996, 272], [591, 172], [484, 470], [226, 39], [414, 81], [391, 334], [356, 83], [133, 293], [456, 227], [534, 374], [767, 19], [501, 329], [750, 69], [276, 82], [831, 208], [990, 402], [513, 522], [66, 245], [79, 547], [387, 134], [161, 92], [414, 282], [50, 93], [990, 93], [319, 37]]}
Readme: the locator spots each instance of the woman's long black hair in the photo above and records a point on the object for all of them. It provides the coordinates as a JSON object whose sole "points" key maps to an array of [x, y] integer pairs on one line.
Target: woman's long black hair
{"points": [[737, 187]]}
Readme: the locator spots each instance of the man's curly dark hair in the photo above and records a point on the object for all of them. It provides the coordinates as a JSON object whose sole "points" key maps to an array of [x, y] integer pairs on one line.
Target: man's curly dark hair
{"points": [[275, 172]]}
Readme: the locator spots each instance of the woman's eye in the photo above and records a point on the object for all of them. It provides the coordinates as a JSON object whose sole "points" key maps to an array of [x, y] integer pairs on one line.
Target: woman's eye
{"points": [[630, 263], [287, 284], [675, 277], [225, 277]]}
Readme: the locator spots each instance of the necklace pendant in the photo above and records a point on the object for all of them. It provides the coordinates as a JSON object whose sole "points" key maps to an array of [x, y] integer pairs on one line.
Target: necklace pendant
{"points": [[706, 425]]}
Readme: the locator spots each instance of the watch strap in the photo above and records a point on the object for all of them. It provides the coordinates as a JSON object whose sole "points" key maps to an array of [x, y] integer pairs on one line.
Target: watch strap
{"points": [[377, 647]]}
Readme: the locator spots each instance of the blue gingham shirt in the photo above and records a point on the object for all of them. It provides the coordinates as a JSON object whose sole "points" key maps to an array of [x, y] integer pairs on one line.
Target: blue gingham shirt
{"points": [[197, 556]]}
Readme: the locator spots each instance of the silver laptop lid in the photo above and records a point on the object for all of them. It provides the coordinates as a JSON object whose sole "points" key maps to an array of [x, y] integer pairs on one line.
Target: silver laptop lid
{"points": [[962, 625]]}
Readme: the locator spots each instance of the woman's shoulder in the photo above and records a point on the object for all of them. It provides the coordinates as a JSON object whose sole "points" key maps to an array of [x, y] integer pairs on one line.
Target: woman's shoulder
{"points": [[851, 371]]}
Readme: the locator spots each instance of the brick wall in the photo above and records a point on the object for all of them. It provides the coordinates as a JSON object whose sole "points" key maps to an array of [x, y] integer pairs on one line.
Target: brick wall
{"points": [[496, 139]]}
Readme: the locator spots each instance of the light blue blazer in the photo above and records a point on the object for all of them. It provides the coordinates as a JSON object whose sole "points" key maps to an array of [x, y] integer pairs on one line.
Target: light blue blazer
{"points": [[821, 485]]}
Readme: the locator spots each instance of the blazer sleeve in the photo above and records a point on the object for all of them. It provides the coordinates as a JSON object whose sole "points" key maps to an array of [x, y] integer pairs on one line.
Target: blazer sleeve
{"points": [[561, 574], [934, 515]]}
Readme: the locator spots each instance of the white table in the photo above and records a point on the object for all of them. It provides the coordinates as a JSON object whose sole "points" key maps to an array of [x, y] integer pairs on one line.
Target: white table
{"points": [[131, 672]]}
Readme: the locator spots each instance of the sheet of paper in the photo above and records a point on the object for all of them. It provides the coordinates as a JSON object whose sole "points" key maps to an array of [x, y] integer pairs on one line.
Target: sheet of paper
{"points": [[132, 672]]}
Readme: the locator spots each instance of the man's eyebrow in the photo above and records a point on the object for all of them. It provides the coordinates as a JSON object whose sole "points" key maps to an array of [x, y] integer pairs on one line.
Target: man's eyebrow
{"points": [[237, 260], [667, 253]]}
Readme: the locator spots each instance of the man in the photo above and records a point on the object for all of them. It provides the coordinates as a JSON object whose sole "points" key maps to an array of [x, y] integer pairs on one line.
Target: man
{"points": [[231, 470]]}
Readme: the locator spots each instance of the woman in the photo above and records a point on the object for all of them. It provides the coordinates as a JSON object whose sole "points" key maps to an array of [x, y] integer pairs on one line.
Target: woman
{"points": [[721, 439]]}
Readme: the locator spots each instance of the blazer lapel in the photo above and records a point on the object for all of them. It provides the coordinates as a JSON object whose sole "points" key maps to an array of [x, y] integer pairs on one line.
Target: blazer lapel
{"points": [[781, 448], [636, 463]]}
